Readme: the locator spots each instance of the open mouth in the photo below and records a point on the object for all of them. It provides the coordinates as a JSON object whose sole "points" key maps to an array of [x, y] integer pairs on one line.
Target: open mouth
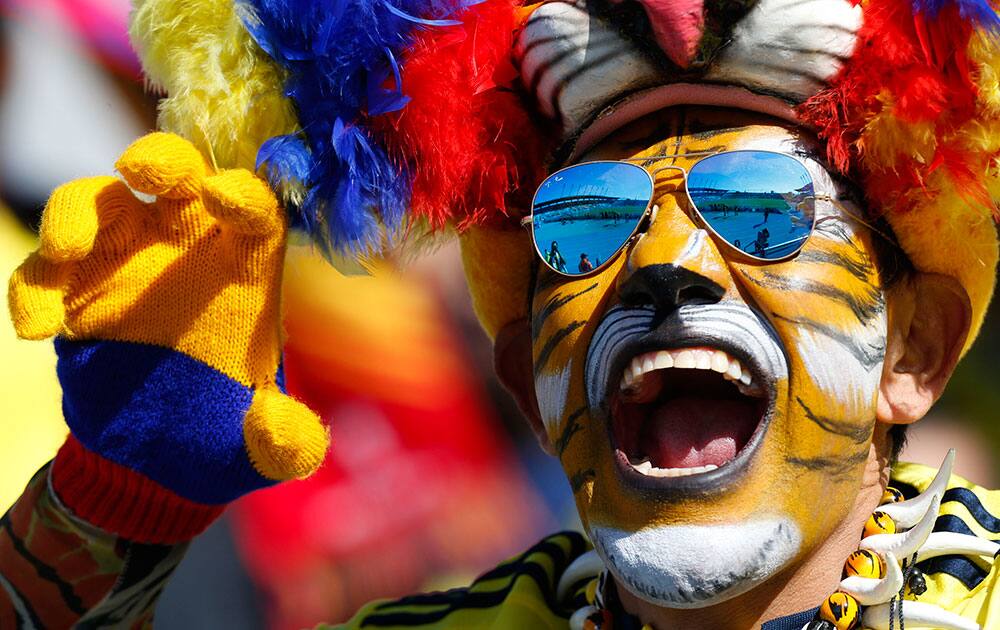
{"points": [[686, 412]]}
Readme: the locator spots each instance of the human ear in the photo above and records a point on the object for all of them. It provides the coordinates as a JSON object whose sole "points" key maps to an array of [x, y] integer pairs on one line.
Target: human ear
{"points": [[929, 319], [512, 361]]}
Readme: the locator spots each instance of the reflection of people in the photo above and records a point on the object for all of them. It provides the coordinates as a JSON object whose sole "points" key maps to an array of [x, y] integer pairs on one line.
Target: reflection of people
{"points": [[585, 264], [554, 257], [702, 510], [760, 245], [768, 210]]}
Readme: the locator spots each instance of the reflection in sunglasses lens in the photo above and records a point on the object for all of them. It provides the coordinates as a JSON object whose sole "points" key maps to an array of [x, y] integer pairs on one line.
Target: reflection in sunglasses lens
{"points": [[761, 203], [582, 215]]}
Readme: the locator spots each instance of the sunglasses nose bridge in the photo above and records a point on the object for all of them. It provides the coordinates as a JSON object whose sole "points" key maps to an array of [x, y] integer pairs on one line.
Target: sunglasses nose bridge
{"points": [[674, 238]]}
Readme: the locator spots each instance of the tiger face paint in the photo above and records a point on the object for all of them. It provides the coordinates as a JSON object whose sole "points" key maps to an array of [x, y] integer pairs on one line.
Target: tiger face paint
{"points": [[713, 417]]}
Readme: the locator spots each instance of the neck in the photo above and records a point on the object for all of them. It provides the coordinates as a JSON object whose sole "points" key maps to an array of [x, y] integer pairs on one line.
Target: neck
{"points": [[803, 586]]}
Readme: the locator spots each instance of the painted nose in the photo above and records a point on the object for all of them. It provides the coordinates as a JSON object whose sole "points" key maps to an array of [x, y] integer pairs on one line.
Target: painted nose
{"points": [[668, 287], [673, 264]]}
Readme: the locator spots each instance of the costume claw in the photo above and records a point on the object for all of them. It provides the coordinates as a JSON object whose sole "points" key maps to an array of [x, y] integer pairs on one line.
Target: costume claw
{"points": [[908, 513], [579, 618], [951, 543], [587, 565], [869, 591], [905, 544]]}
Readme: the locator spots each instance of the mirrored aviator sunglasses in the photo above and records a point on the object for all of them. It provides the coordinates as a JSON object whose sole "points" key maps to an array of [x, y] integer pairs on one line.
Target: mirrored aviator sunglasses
{"points": [[760, 205]]}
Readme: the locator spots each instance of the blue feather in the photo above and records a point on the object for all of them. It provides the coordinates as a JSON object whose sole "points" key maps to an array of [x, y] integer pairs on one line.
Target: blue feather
{"points": [[341, 62], [979, 12]]}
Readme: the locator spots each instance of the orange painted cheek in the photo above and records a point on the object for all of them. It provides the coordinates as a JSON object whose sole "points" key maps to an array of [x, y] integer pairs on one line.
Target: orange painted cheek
{"points": [[828, 310], [564, 315]]}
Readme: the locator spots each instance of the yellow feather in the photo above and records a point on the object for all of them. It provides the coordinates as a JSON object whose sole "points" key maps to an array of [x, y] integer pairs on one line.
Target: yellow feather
{"points": [[223, 92], [950, 235], [984, 52], [887, 140]]}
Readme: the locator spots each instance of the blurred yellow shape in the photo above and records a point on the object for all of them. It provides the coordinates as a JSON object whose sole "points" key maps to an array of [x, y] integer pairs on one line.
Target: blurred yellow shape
{"points": [[31, 422]]}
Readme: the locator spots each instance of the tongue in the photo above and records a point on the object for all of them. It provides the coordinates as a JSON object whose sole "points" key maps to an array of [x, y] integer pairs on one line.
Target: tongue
{"points": [[692, 432]]}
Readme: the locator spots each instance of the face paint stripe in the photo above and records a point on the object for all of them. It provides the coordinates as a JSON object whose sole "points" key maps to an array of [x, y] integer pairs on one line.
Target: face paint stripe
{"points": [[860, 270], [869, 357], [626, 329], [864, 307], [578, 479], [611, 333], [694, 243], [619, 317], [571, 428], [593, 65], [558, 337], [612, 341], [836, 466], [552, 390], [553, 305], [859, 435]]}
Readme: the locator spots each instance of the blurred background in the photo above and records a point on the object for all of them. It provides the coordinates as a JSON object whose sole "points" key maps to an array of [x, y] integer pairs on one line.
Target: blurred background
{"points": [[403, 372]]}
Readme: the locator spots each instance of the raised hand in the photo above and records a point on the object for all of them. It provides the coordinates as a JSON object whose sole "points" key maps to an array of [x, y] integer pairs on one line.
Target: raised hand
{"points": [[167, 316]]}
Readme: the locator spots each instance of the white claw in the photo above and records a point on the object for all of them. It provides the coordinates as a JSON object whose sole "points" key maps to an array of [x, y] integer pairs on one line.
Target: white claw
{"points": [[580, 617], [587, 565], [948, 543], [907, 513], [903, 545], [869, 591], [917, 614]]}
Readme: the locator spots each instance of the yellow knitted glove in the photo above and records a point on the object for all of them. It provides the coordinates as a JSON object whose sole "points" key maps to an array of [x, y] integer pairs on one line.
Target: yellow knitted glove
{"points": [[189, 282]]}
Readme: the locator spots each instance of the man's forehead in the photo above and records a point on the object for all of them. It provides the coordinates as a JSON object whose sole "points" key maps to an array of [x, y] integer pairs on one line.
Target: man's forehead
{"points": [[679, 130]]}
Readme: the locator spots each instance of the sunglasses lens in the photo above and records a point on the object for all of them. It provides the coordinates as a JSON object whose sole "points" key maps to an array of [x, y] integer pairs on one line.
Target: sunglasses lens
{"points": [[583, 215], [761, 203]]}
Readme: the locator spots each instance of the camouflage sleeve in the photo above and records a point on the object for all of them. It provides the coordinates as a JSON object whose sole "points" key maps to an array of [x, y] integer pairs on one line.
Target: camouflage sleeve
{"points": [[57, 571]]}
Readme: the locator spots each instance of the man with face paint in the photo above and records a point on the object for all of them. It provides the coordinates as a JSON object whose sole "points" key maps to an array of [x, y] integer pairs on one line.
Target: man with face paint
{"points": [[727, 404]]}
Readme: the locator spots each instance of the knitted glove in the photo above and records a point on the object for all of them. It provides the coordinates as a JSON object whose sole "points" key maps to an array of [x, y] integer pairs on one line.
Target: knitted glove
{"points": [[169, 341]]}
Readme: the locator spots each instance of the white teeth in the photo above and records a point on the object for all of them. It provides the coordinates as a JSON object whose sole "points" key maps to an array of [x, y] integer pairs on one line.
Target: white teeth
{"points": [[647, 469], [663, 361], [647, 364], [720, 362], [689, 359], [685, 360], [735, 371]]}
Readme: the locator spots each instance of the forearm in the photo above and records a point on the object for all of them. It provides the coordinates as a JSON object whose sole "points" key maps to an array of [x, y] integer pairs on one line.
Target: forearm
{"points": [[57, 571]]}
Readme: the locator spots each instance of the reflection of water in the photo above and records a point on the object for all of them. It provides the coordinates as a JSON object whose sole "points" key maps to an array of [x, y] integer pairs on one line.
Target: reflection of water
{"points": [[597, 237], [786, 229]]}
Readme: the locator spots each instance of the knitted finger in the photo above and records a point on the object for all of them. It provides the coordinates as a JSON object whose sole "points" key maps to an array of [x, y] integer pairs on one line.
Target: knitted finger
{"points": [[77, 211], [241, 200], [164, 165], [35, 297], [284, 439]]}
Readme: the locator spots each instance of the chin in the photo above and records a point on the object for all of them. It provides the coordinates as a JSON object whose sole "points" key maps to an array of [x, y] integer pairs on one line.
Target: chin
{"points": [[694, 566]]}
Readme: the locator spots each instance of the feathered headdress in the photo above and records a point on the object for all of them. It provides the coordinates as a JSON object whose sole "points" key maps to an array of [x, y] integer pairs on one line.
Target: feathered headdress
{"points": [[375, 116]]}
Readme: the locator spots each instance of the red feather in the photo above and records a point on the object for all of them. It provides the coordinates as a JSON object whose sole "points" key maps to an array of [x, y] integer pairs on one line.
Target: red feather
{"points": [[465, 125], [923, 66]]}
